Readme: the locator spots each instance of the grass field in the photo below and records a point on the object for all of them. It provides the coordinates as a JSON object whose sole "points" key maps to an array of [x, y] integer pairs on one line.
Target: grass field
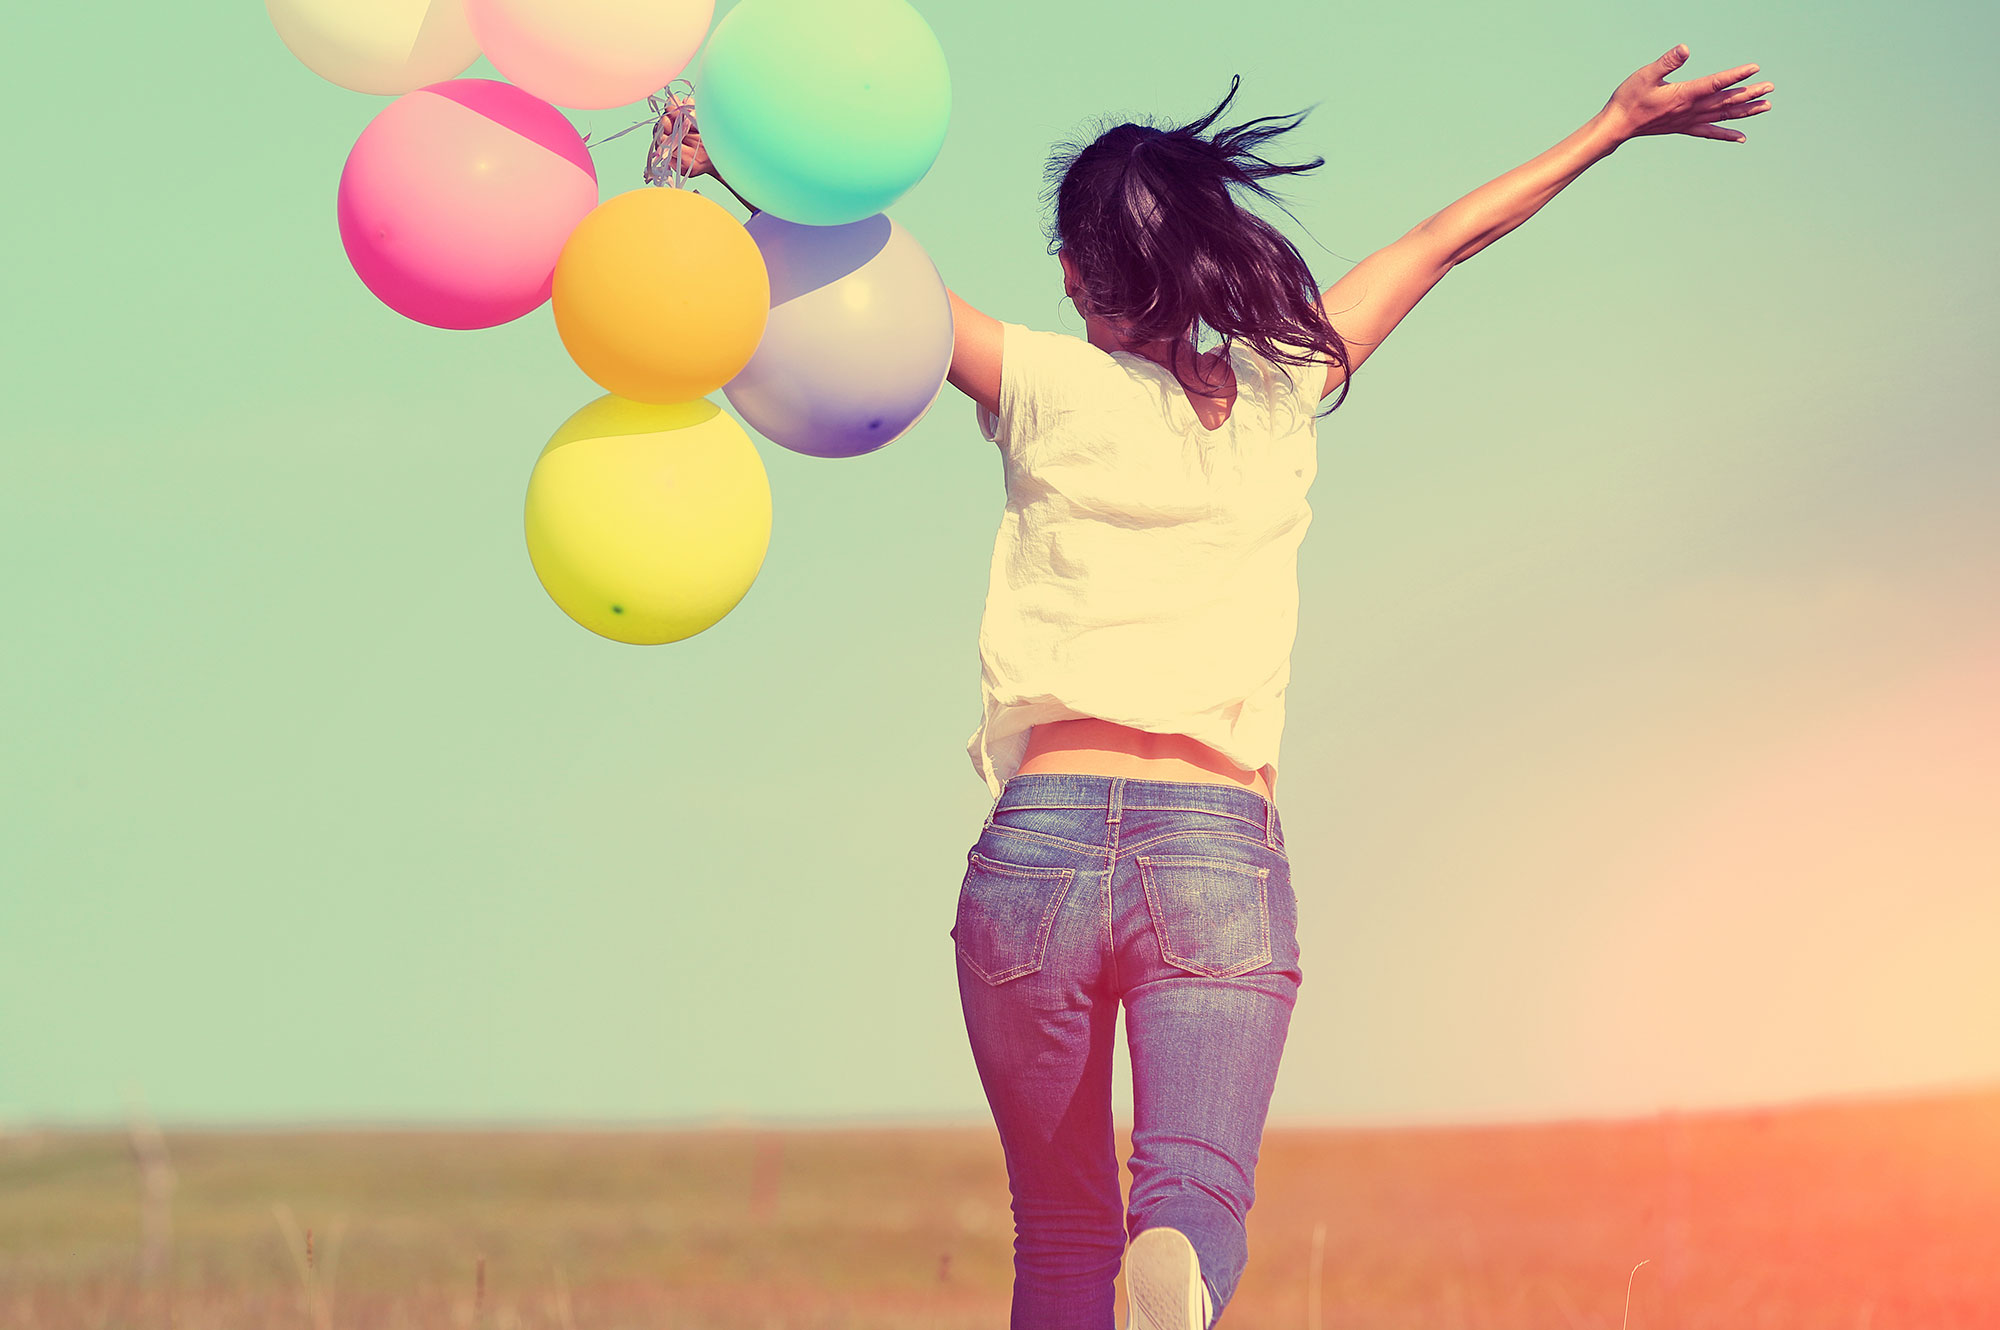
{"points": [[1863, 1215]]}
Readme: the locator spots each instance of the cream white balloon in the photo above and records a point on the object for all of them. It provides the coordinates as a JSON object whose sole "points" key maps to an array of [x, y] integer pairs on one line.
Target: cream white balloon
{"points": [[590, 54], [384, 47]]}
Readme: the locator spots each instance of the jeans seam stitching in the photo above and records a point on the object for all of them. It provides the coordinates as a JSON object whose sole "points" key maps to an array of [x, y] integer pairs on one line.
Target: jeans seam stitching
{"points": [[1198, 832], [1110, 929], [1052, 839]]}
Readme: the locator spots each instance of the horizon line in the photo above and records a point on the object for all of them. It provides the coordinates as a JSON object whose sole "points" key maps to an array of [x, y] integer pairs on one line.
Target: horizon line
{"points": [[962, 1120]]}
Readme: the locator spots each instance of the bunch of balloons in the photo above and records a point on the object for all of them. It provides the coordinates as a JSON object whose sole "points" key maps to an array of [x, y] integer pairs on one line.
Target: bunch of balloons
{"points": [[468, 202]]}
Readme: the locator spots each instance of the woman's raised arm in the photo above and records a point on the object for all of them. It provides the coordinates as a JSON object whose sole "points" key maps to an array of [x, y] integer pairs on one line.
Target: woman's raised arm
{"points": [[1644, 104], [1366, 305]]}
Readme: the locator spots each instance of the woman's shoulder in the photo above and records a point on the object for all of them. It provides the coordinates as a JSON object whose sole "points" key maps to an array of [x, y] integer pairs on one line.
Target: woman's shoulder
{"points": [[1061, 367], [1061, 347]]}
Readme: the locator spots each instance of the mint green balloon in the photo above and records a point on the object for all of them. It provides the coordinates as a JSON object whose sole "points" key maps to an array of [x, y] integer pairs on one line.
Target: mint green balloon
{"points": [[823, 112]]}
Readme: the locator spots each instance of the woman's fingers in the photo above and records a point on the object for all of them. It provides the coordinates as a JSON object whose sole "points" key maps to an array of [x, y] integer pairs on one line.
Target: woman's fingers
{"points": [[1733, 97], [1730, 113], [1644, 104], [1721, 101], [1717, 82], [1745, 93], [1716, 132], [1733, 106]]}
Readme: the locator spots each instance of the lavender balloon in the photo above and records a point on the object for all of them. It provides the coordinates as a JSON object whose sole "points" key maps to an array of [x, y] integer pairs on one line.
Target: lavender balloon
{"points": [[858, 342]]}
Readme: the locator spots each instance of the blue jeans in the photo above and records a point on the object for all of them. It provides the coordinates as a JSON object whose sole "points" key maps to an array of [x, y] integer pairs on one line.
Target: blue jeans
{"points": [[1175, 898]]}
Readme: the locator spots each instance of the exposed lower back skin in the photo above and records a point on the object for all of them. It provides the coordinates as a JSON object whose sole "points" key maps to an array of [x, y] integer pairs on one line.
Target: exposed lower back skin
{"points": [[1093, 747]]}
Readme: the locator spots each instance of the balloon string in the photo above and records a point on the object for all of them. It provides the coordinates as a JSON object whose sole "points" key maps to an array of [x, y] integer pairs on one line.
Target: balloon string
{"points": [[670, 127]]}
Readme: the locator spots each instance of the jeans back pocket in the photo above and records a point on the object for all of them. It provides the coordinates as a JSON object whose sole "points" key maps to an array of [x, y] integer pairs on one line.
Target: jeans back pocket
{"points": [[1212, 915], [1005, 915]]}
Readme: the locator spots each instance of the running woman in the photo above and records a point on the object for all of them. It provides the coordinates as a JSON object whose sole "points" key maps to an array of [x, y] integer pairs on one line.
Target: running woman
{"points": [[1135, 650]]}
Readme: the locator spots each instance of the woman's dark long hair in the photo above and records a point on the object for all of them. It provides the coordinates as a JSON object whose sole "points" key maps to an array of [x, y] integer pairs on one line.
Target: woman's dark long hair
{"points": [[1162, 246]]}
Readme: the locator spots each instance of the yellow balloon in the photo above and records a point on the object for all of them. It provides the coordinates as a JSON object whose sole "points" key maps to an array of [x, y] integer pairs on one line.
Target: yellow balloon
{"points": [[648, 523], [660, 295]]}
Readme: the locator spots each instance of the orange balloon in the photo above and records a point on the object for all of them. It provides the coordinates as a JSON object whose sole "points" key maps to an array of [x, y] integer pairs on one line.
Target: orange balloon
{"points": [[660, 295]]}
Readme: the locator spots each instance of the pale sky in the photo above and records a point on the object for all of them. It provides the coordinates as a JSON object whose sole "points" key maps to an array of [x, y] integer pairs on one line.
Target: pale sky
{"points": [[1644, 726]]}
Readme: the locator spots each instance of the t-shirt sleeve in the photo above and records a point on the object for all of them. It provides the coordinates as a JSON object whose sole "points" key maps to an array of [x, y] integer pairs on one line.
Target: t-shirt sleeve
{"points": [[1309, 380], [1032, 366]]}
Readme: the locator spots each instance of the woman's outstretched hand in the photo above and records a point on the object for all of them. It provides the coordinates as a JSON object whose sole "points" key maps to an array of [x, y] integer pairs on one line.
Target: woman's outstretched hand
{"points": [[1646, 104]]}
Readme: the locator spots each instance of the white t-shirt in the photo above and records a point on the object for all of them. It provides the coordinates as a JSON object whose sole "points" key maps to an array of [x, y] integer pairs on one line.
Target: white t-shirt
{"points": [[1146, 568]]}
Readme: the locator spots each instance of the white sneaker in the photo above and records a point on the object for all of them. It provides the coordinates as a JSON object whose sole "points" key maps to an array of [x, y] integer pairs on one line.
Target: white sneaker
{"points": [[1164, 1289]]}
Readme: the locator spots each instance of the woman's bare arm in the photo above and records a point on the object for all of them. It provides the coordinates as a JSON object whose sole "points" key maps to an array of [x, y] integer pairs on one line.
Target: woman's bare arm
{"points": [[1642, 105], [1366, 305]]}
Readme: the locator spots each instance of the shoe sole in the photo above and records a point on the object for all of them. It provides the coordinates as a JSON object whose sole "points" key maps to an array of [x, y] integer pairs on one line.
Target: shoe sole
{"points": [[1163, 1282]]}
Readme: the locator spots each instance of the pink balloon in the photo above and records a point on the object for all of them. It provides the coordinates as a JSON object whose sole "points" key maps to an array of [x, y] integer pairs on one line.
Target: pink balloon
{"points": [[457, 198]]}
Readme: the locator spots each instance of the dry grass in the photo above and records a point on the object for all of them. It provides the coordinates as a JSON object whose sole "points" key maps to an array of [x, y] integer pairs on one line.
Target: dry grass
{"points": [[1858, 1216]]}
